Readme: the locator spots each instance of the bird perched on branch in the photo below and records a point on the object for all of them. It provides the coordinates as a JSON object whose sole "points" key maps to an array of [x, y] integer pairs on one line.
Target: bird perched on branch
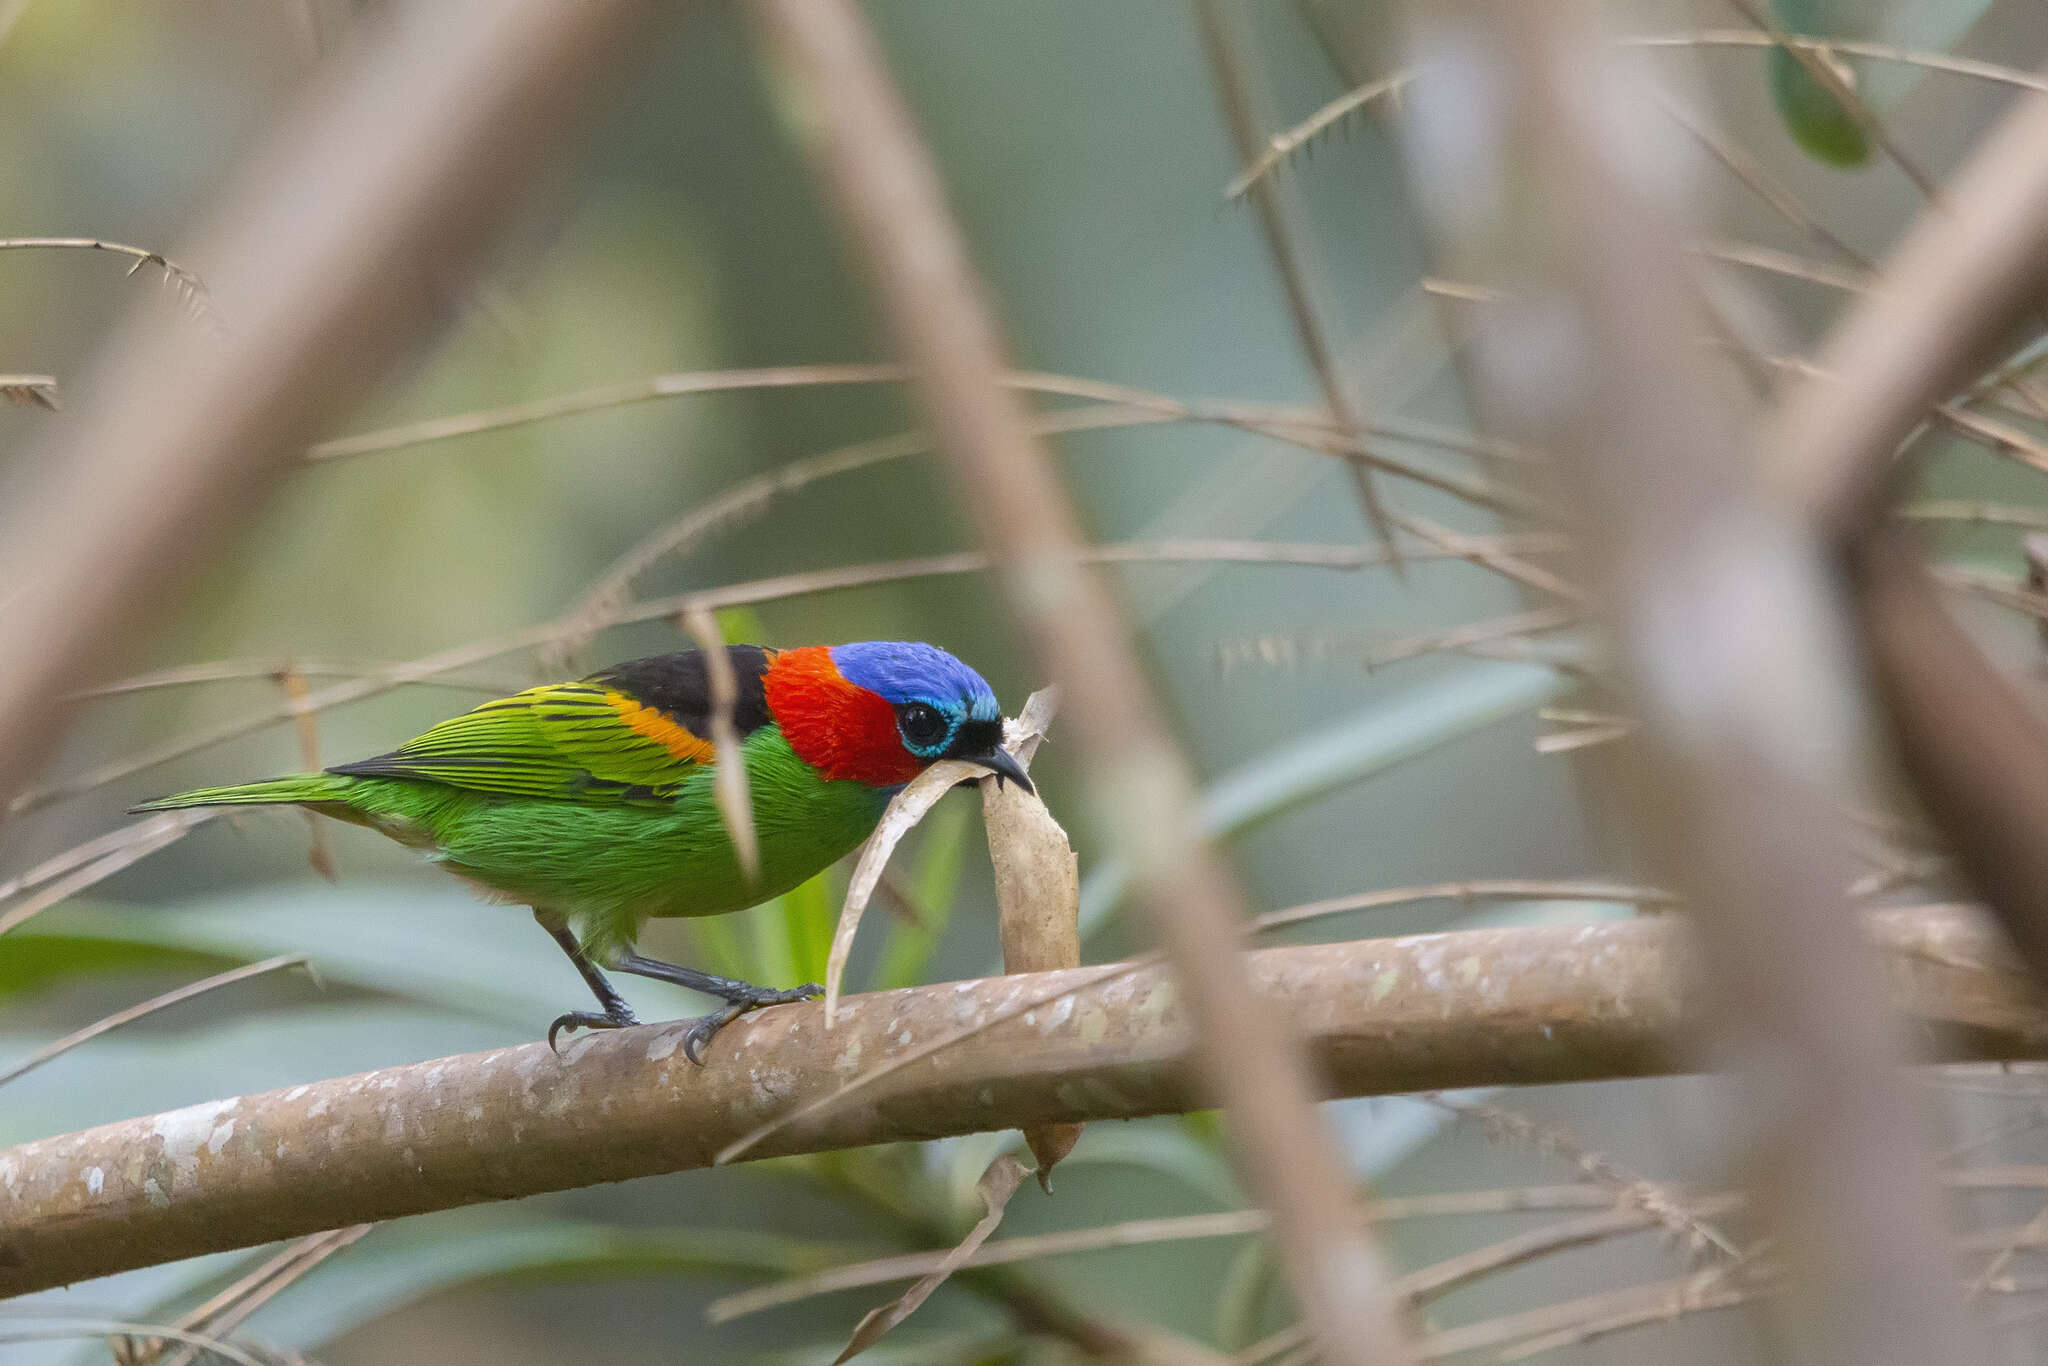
{"points": [[592, 802]]}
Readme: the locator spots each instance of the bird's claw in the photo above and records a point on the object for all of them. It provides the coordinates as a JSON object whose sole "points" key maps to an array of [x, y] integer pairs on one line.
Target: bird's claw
{"points": [[588, 1019], [702, 1030]]}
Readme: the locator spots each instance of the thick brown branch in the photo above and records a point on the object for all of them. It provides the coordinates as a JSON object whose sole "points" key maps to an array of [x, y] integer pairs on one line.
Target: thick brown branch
{"points": [[1426, 1011]]}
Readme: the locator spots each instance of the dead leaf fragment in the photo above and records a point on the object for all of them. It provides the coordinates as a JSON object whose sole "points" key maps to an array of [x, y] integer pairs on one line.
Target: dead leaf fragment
{"points": [[1038, 893], [904, 811], [996, 1186]]}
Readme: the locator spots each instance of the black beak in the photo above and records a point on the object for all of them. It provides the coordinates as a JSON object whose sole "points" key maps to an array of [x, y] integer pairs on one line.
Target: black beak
{"points": [[1004, 765]]}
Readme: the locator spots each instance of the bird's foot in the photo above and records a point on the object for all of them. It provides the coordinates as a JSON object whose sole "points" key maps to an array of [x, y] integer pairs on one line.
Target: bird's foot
{"points": [[618, 1018], [737, 1004]]}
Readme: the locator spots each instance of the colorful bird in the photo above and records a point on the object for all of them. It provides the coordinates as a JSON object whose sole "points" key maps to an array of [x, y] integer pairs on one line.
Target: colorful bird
{"points": [[592, 802]]}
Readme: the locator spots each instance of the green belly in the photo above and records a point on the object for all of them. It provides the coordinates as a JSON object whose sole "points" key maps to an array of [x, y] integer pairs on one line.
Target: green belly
{"points": [[609, 867]]}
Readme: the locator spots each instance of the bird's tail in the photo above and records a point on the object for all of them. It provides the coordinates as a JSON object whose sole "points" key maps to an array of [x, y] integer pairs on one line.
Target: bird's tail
{"points": [[305, 788]]}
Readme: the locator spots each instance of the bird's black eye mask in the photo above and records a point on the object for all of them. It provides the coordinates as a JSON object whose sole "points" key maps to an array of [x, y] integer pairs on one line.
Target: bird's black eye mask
{"points": [[976, 738]]}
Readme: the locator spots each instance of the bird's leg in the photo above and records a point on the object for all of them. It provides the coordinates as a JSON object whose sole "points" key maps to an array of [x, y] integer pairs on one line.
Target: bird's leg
{"points": [[739, 997], [617, 1014]]}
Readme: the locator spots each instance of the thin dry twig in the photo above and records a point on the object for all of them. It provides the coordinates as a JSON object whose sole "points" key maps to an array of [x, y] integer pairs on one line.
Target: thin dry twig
{"points": [[1454, 1273], [1595, 728], [248, 670], [1144, 1232], [1848, 47], [735, 799], [1570, 742], [81, 1327], [1433, 1282], [870, 155], [1002, 1252], [231, 1308], [1969, 510], [1707, 1291], [108, 1024], [1260, 418], [1287, 649], [2000, 438], [39, 391], [596, 399], [185, 284], [123, 849], [1750, 173], [1300, 140], [1480, 550], [1290, 246], [1503, 1124], [1784, 263], [1469, 893], [98, 847], [1661, 1300]]}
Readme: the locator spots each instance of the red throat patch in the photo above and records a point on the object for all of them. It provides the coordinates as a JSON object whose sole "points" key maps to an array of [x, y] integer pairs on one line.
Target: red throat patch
{"points": [[839, 728]]}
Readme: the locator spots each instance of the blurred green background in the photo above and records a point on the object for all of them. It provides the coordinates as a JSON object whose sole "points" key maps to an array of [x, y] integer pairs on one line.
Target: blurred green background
{"points": [[1084, 150]]}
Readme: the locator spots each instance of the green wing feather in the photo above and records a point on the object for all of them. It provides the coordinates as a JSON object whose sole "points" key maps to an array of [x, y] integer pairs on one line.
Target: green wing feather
{"points": [[560, 740]]}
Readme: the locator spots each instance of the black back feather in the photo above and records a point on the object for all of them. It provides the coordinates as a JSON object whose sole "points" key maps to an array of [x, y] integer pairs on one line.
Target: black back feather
{"points": [[680, 685]]}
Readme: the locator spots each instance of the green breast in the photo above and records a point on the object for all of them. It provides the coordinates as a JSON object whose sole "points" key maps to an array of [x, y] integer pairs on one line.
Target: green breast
{"points": [[607, 867]]}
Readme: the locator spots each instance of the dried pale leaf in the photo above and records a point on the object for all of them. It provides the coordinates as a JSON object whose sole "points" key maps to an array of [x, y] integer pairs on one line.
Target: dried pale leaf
{"points": [[1022, 732], [904, 811], [729, 776], [1038, 893], [996, 1186]]}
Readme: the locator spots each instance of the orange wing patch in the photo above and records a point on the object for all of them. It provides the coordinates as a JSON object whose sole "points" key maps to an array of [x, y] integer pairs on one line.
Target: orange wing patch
{"points": [[658, 726]]}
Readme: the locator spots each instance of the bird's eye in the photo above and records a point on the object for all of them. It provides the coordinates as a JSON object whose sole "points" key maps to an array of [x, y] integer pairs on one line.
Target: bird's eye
{"points": [[922, 726]]}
